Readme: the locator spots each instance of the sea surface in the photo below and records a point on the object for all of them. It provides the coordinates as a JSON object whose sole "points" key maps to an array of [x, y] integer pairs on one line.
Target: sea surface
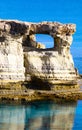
{"points": [[42, 115], [78, 64]]}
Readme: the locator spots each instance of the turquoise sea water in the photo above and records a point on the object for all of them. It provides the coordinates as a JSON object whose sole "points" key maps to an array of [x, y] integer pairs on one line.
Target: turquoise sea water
{"points": [[42, 115]]}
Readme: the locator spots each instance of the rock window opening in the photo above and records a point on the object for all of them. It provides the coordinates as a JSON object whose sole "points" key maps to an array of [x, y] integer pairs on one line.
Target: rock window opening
{"points": [[44, 41]]}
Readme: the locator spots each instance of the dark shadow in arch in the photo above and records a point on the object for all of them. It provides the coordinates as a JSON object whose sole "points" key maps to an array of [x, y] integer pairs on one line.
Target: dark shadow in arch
{"points": [[39, 41]]}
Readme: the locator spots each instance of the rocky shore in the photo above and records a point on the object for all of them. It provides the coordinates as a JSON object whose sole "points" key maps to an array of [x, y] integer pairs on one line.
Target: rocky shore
{"points": [[24, 92]]}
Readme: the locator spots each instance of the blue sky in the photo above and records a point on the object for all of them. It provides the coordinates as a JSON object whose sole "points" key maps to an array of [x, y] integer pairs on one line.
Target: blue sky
{"points": [[65, 11]]}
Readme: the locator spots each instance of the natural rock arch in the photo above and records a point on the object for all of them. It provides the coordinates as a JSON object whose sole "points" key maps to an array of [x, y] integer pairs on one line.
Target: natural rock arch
{"points": [[18, 45], [61, 33]]}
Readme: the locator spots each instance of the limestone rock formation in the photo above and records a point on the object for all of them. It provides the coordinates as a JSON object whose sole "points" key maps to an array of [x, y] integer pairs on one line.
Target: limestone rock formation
{"points": [[22, 59]]}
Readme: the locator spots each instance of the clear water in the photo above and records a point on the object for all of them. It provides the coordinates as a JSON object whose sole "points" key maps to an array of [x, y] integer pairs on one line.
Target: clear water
{"points": [[43, 115]]}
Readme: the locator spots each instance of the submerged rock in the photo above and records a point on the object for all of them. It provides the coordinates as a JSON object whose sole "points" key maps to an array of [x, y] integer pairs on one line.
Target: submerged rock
{"points": [[21, 56]]}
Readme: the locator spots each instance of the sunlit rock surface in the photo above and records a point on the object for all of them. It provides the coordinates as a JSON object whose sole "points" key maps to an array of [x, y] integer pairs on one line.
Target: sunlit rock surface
{"points": [[23, 58]]}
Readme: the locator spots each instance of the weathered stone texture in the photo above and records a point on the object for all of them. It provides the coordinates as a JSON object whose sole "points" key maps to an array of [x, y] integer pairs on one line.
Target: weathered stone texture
{"points": [[21, 55], [50, 66]]}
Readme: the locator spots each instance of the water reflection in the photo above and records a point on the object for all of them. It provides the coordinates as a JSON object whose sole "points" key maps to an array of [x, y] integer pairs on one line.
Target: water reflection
{"points": [[41, 115], [78, 117]]}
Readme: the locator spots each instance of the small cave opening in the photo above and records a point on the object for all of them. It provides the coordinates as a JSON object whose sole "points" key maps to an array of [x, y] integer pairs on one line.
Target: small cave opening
{"points": [[46, 41]]}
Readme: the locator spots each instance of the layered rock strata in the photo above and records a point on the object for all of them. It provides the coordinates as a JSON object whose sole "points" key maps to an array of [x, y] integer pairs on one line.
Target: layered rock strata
{"points": [[21, 56]]}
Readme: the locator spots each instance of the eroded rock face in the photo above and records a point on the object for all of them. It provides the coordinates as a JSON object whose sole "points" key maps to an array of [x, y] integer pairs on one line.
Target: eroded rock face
{"points": [[22, 56], [11, 59]]}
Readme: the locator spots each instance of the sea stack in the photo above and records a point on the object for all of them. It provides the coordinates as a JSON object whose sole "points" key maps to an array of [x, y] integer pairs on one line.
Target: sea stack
{"points": [[22, 58]]}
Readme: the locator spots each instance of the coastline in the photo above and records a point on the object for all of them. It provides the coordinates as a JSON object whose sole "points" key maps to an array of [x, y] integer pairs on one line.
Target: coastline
{"points": [[30, 71]]}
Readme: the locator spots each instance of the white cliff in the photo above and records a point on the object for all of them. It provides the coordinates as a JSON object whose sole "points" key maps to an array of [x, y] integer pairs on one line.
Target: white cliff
{"points": [[22, 58]]}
